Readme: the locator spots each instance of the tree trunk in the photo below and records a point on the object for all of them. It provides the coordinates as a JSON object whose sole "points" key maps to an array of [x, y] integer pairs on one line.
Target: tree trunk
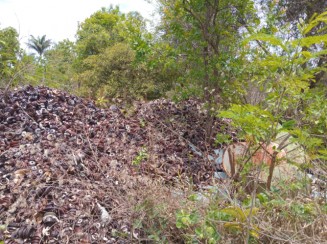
{"points": [[271, 169]]}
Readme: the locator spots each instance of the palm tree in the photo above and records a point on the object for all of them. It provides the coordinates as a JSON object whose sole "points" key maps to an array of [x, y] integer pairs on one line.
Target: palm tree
{"points": [[40, 45]]}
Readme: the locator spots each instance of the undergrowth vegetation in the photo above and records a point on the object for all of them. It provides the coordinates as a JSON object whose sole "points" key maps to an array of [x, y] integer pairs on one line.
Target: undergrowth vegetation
{"points": [[250, 209], [286, 214]]}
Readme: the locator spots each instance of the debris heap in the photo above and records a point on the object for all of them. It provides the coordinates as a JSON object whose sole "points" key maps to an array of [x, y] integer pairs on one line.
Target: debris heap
{"points": [[65, 165]]}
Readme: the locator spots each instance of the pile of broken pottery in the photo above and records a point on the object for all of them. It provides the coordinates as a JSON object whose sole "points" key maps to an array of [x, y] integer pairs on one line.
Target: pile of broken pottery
{"points": [[65, 165]]}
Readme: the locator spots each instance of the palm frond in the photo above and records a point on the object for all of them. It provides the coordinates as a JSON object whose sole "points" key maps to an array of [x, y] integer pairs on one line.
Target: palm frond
{"points": [[39, 44]]}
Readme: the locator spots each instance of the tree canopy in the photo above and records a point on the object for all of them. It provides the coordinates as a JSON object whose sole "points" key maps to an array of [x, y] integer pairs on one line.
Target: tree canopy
{"points": [[39, 44], [9, 51]]}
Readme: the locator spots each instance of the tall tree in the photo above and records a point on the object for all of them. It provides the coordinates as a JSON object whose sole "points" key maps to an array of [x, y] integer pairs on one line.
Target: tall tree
{"points": [[293, 13], [60, 59], [111, 48], [206, 34], [40, 45], [205, 37], [9, 50]]}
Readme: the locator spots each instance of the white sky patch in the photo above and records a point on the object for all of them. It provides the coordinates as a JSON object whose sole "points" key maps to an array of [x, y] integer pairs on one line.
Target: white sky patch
{"points": [[58, 19]]}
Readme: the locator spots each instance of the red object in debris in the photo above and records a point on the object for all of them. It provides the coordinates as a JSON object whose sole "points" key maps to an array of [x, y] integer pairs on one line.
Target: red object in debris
{"points": [[265, 154], [239, 150]]}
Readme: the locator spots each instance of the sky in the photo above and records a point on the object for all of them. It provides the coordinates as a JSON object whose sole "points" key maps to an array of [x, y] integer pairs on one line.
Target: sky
{"points": [[58, 19]]}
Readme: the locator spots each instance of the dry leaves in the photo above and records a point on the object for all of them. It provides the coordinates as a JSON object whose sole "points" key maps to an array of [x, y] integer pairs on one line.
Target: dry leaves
{"points": [[66, 165]]}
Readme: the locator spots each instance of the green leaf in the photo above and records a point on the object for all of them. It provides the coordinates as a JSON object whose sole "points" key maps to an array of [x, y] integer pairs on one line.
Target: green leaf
{"points": [[288, 125], [266, 38], [263, 198], [193, 197], [233, 226], [249, 211], [254, 233], [199, 232], [194, 217], [222, 138], [314, 21], [179, 225], [310, 40], [185, 220], [236, 212], [306, 54], [322, 154]]}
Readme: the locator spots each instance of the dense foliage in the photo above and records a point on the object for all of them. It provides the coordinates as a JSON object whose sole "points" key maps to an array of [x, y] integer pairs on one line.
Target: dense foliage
{"points": [[112, 50], [9, 49]]}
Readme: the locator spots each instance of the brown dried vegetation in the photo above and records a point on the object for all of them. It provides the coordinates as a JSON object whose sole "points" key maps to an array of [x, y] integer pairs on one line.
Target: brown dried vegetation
{"points": [[66, 166]]}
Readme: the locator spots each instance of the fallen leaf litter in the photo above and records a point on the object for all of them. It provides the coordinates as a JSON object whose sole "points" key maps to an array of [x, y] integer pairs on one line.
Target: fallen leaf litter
{"points": [[65, 164]]}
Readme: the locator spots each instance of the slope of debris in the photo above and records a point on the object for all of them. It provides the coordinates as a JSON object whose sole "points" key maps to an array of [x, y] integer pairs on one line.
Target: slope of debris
{"points": [[181, 131], [65, 165]]}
